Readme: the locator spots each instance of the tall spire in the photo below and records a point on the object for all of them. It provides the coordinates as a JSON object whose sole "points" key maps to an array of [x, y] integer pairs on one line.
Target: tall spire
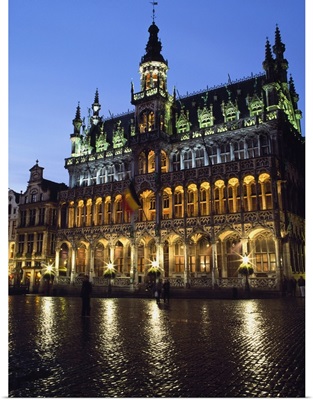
{"points": [[279, 46], [281, 62], [268, 63]]}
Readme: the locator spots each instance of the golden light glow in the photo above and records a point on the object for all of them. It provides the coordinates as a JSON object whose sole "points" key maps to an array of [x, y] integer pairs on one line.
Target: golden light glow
{"points": [[245, 259]]}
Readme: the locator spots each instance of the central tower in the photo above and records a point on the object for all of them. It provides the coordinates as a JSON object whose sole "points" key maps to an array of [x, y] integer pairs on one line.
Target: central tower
{"points": [[153, 103]]}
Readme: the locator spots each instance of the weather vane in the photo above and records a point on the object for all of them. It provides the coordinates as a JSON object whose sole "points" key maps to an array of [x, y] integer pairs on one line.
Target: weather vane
{"points": [[154, 3]]}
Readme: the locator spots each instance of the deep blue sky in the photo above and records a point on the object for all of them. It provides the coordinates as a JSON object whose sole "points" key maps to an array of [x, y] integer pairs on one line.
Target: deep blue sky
{"points": [[61, 51]]}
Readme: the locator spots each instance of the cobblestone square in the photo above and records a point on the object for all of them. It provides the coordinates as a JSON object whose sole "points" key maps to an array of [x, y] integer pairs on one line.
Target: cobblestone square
{"points": [[134, 348]]}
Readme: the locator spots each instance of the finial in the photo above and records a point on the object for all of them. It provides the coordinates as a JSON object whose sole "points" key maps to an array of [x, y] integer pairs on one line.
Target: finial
{"points": [[96, 96], [37, 161], [154, 3]]}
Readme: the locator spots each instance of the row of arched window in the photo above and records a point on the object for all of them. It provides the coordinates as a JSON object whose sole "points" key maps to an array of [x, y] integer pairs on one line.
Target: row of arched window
{"points": [[199, 256], [222, 197], [179, 159]]}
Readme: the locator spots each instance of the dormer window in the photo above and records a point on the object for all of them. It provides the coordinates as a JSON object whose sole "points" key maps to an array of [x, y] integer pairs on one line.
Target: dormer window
{"points": [[230, 111]]}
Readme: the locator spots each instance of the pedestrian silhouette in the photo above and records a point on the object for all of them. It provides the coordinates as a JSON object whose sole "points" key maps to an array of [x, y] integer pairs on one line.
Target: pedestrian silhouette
{"points": [[85, 294], [301, 284], [166, 291], [158, 290]]}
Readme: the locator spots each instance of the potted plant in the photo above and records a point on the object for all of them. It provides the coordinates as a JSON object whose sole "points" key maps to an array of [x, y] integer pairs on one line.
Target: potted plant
{"points": [[109, 274], [154, 272]]}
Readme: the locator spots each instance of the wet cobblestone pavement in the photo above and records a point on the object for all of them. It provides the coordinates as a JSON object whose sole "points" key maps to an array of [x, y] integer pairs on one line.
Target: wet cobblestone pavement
{"points": [[135, 348]]}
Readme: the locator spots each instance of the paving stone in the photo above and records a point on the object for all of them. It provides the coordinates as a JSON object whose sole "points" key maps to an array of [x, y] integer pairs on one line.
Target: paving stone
{"points": [[131, 347]]}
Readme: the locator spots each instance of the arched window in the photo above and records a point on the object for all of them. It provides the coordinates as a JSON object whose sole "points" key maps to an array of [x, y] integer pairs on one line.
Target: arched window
{"points": [[151, 121], [249, 194], [107, 210], [80, 214], [176, 161], [164, 162], [233, 195], [199, 157], [85, 179], [253, 147], [118, 210], [110, 173], [265, 192], [152, 210], [120, 170], [264, 145], [239, 150], [192, 201], [118, 257], [142, 164], [140, 258], [219, 197], [148, 81], [205, 252], [166, 204], [88, 212], [234, 255], [178, 203], [151, 161], [264, 258], [98, 216], [102, 175], [205, 199], [99, 260], [225, 152], [179, 257], [212, 150], [187, 159], [81, 259]]}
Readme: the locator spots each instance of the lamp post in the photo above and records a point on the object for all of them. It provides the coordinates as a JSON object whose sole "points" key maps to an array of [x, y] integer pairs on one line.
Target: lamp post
{"points": [[109, 273], [48, 272]]}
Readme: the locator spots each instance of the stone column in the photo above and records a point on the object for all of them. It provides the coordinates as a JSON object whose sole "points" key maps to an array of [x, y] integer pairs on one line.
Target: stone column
{"points": [[91, 263], [73, 264]]}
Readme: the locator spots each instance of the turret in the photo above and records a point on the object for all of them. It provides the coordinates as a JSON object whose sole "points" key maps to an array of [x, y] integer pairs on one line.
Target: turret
{"points": [[96, 108], [77, 122], [76, 136]]}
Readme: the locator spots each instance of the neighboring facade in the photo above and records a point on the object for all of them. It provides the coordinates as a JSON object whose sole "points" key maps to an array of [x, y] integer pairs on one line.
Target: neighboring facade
{"points": [[36, 231], [219, 173], [13, 203]]}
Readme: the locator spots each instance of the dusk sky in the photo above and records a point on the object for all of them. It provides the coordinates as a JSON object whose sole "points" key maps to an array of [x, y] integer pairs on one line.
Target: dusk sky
{"points": [[61, 51]]}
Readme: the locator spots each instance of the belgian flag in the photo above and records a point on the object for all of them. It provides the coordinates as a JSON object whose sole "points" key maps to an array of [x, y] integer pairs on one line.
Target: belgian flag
{"points": [[132, 202]]}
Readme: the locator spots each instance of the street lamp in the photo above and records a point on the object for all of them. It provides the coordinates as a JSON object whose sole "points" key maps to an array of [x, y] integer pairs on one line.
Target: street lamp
{"points": [[109, 273], [48, 273], [246, 269]]}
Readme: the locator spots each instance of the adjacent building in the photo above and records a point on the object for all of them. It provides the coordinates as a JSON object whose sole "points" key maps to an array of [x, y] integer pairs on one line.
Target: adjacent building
{"points": [[13, 203], [36, 230]]}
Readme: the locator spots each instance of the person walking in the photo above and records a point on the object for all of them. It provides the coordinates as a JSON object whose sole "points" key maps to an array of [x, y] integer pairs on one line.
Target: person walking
{"points": [[158, 291], [85, 294], [166, 291], [301, 284]]}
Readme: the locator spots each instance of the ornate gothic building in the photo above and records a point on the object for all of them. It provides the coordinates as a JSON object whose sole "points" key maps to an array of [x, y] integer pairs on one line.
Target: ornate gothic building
{"points": [[219, 174]]}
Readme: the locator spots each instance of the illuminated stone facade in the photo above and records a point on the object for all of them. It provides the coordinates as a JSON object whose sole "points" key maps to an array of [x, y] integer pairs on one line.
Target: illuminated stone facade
{"points": [[13, 203], [35, 234], [219, 173]]}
